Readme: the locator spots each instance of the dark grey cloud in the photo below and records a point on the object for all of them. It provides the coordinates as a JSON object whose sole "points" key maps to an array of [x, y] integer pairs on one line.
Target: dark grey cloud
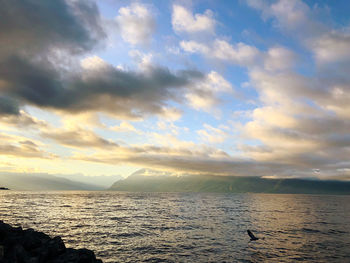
{"points": [[129, 94], [30, 33], [38, 35], [34, 27], [8, 106], [37, 83]]}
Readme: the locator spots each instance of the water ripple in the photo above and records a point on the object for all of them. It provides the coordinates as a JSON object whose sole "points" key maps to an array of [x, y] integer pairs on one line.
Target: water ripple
{"points": [[185, 227]]}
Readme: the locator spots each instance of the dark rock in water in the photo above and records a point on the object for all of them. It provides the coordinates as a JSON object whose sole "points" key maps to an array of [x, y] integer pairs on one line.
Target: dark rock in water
{"points": [[4, 188], [28, 246]]}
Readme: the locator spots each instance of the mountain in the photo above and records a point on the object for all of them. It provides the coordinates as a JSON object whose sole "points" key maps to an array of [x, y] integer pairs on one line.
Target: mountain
{"points": [[103, 181], [16, 181], [139, 182]]}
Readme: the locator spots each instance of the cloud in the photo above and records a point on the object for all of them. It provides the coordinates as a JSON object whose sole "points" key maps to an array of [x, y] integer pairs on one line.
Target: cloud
{"points": [[126, 94], [296, 17], [136, 23], [172, 142], [78, 138], [331, 47], [94, 63], [29, 27], [294, 124], [171, 114], [276, 58], [184, 21], [170, 153], [299, 125], [279, 59], [290, 124], [8, 106], [39, 65], [83, 120], [124, 126], [21, 120], [328, 45], [239, 53], [204, 95], [212, 134], [213, 162], [282, 88], [164, 145], [144, 61], [284, 152], [300, 121], [290, 14], [31, 42], [169, 126], [17, 146]]}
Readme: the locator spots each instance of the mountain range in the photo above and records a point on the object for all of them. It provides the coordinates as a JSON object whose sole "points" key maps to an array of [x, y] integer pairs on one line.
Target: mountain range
{"points": [[19, 181], [146, 180], [143, 181]]}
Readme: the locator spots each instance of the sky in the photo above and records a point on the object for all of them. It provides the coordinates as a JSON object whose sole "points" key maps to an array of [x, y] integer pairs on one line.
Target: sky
{"points": [[246, 87]]}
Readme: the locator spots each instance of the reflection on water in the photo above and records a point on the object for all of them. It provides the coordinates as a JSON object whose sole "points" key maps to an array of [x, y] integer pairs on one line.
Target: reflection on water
{"points": [[301, 227], [185, 227]]}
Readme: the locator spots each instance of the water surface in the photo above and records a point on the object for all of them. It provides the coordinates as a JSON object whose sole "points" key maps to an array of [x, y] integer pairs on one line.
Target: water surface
{"points": [[188, 227]]}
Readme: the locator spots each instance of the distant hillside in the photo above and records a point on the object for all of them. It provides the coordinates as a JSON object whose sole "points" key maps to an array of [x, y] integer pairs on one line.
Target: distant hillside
{"points": [[228, 184], [102, 181], [16, 181]]}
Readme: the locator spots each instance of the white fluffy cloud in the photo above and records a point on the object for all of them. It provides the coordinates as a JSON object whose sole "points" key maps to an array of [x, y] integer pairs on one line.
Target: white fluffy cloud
{"points": [[143, 60], [94, 63], [289, 14], [124, 126], [239, 53], [184, 21], [211, 134], [332, 47], [296, 17], [204, 95], [277, 58], [136, 23]]}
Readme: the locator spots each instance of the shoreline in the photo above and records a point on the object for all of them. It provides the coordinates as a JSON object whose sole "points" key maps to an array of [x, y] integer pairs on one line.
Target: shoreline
{"points": [[18, 245]]}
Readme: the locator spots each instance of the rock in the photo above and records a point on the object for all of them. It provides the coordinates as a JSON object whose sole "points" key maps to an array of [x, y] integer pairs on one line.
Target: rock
{"points": [[1, 252], [56, 247], [33, 239], [29, 246]]}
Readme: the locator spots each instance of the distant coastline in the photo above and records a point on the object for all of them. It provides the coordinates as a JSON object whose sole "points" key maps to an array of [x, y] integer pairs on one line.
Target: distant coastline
{"points": [[4, 188], [228, 184]]}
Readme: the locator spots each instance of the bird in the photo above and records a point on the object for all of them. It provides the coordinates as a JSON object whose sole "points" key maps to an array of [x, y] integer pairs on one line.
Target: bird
{"points": [[251, 235]]}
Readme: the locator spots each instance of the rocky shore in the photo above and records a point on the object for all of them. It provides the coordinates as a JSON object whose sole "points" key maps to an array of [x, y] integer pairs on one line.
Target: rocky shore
{"points": [[29, 246]]}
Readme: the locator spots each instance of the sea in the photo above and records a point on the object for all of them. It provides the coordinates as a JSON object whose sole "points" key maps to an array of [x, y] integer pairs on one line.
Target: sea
{"points": [[188, 227]]}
